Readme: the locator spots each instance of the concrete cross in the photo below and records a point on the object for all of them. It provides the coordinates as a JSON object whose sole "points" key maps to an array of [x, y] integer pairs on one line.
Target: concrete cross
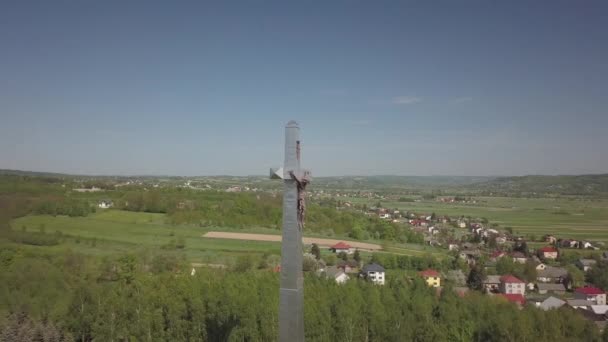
{"points": [[291, 295]]}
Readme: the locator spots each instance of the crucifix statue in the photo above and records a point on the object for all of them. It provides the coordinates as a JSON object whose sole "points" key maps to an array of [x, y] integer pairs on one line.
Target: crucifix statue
{"points": [[291, 293]]}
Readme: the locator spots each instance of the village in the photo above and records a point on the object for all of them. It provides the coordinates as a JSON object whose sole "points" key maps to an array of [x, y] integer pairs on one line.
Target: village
{"points": [[496, 263]]}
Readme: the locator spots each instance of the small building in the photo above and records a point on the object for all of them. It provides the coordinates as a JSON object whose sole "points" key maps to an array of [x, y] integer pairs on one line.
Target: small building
{"points": [[511, 285], [600, 309], [470, 256], [349, 266], [579, 303], [492, 283], [374, 273], [552, 303], [516, 298], [337, 274], [593, 294], [497, 255], [432, 277], [558, 289], [550, 239], [585, 264], [105, 204], [341, 247], [548, 252], [599, 319], [552, 274], [519, 257], [536, 299]]}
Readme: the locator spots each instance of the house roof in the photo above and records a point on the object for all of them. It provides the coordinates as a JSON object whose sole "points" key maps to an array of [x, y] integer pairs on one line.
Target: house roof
{"points": [[548, 249], [514, 298], [551, 287], [372, 268], [518, 255], [497, 254], [587, 262], [579, 302], [589, 290], [511, 279], [429, 273], [492, 279], [333, 272], [551, 303], [600, 309], [552, 272], [341, 245]]}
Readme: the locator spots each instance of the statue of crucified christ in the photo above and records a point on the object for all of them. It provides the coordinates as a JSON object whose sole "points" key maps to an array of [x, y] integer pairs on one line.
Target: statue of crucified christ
{"points": [[301, 182]]}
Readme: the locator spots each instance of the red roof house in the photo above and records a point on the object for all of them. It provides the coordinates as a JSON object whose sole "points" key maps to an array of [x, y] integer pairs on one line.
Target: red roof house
{"points": [[515, 298], [429, 273], [432, 277], [592, 294], [548, 252], [589, 290], [341, 247], [497, 254], [512, 285], [511, 279]]}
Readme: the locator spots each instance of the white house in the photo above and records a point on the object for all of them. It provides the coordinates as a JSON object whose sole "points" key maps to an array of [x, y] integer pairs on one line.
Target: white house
{"points": [[592, 294], [548, 252], [105, 204], [512, 285], [374, 272], [336, 274], [341, 247]]}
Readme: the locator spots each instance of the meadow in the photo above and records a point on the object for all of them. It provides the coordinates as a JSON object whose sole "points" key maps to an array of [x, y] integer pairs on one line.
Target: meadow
{"points": [[111, 232], [574, 218]]}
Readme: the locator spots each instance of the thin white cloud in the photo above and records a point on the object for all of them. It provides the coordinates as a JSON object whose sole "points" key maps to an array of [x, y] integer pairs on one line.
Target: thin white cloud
{"points": [[406, 100], [463, 99]]}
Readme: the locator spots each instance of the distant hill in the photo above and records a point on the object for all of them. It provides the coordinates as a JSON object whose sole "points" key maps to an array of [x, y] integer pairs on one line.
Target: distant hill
{"points": [[398, 182], [537, 184], [590, 185]]}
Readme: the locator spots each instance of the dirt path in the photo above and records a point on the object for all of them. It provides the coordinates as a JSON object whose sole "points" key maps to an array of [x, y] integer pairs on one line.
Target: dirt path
{"points": [[277, 238]]}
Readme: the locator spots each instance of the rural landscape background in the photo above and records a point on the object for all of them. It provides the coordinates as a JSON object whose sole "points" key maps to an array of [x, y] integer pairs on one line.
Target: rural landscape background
{"points": [[154, 265]]}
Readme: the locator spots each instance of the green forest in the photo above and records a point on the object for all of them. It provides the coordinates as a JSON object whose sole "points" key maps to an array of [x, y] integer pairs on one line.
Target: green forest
{"points": [[71, 297]]}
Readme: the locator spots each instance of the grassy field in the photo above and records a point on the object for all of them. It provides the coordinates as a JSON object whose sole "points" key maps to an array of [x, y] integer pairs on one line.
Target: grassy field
{"points": [[120, 231], [113, 231], [568, 218]]}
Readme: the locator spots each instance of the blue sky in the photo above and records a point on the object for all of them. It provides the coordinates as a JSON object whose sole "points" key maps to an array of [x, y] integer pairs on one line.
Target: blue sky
{"points": [[378, 87]]}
